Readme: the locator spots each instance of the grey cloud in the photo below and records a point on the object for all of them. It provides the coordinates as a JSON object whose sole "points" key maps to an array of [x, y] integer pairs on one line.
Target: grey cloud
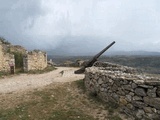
{"points": [[16, 16], [134, 24]]}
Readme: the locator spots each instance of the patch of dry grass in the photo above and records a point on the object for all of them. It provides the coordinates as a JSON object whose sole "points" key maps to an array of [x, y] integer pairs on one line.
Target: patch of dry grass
{"points": [[61, 101]]}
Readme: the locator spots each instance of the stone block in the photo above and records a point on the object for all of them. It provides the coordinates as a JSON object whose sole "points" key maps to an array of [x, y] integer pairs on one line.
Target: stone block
{"points": [[134, 85], [121, 92], [102, 89], [158, 91], [127, 111], [137, 98], [127, 87], [140, 92], [154, 102], [129, 98], [131, 93], [146, 86], [154, 110], [123, 101], [100, 81], [140, 113], [148, 109], [139, 82], [117, 82], [158, 111], [152, 82], [152, 92], [125, 82], [115, 96], [153, 116], [114, 87], [138, 104], [131, 107]]}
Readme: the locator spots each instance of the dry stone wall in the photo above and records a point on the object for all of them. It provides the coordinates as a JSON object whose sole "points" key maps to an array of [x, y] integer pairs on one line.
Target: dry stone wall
{"points": [[35, 60], [136, 94], [6, 59]]}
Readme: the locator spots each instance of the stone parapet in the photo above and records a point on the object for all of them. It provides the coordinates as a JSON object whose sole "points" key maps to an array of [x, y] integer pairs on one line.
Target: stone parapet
{"points": [[137, 94]]}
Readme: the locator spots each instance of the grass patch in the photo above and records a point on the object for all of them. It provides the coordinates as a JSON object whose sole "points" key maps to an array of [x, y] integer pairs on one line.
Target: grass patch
{"points": [[46, 96], [69, 115], [111, 107], [18, 113], [2, 73], [61, 101], [80, 85], [51, 103], [114, 117]]}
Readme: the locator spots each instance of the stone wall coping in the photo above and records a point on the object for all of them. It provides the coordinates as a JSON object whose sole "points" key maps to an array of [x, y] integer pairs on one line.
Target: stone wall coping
{"points": [[136, 77]]}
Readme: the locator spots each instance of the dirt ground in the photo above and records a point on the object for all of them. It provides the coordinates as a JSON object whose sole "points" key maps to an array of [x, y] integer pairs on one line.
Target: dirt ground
{"points": [[49, 94], [23, 82]]}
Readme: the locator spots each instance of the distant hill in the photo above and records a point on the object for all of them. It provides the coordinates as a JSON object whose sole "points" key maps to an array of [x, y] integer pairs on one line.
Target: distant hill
{"points": [[133, 53], [66, 52], [88, 46]]}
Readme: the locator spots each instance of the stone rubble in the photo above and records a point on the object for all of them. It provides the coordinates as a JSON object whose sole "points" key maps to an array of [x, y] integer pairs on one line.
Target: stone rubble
{"points": [[137, 95]]}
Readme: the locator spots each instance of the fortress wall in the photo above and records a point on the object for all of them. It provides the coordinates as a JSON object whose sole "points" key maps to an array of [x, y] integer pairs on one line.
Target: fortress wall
{"points": [[136, 94]]}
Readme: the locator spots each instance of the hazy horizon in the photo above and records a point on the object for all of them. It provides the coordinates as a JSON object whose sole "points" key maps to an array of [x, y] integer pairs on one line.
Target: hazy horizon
{"points": [[86, 25]]}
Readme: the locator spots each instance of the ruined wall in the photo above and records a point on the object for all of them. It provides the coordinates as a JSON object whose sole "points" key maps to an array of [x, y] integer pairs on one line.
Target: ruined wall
{"points": [[6, 59], [136, 94], [17, 48], [35, 60]]}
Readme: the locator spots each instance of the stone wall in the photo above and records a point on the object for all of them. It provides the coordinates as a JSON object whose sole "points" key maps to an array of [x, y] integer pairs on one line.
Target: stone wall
{"points": [[17, 48], [136, 94], [6, 59], [35, 60]]}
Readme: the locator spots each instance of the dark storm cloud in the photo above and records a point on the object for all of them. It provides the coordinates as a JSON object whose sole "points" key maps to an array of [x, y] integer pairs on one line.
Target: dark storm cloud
{"points": [[17, 16], [133, 24]]}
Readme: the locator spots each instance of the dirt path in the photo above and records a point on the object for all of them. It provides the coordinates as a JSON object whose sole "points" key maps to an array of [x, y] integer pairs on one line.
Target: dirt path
{"points": [[25, 82]]}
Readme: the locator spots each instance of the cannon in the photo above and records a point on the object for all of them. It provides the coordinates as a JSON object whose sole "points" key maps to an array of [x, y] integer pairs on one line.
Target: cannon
{"points": [[93, 60]]}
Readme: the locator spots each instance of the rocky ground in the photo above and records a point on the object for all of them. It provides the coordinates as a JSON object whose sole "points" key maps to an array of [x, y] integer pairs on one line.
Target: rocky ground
{"points": [[23, 82]]}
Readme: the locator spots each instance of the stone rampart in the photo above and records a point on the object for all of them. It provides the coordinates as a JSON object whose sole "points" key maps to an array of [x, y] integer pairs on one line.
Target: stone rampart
{"points": [[136, 94], [35, 60], [6, 60]]}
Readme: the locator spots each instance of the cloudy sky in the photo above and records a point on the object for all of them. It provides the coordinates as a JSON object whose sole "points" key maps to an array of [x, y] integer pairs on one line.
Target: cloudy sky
{"points": [[46, 24]]}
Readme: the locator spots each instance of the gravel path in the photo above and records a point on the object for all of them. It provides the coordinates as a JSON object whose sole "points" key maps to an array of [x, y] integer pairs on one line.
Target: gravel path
{"points": [[25, 82]]}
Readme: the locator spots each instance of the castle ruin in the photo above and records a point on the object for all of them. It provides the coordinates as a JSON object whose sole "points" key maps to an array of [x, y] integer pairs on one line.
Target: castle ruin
{"points": [[34, 60], [6, 59]]}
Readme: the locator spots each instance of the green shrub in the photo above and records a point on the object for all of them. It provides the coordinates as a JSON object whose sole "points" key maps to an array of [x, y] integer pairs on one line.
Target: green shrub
{"points": [[80, 85], [4, 41], [18, 59]]}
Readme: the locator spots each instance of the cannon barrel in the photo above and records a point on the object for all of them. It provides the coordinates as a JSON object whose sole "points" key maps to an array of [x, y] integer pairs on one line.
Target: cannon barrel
{"points": [[93, 60]]}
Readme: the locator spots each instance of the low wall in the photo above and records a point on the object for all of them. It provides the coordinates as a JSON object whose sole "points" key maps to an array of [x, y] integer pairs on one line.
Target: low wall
{"points": [[136, 94]]}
